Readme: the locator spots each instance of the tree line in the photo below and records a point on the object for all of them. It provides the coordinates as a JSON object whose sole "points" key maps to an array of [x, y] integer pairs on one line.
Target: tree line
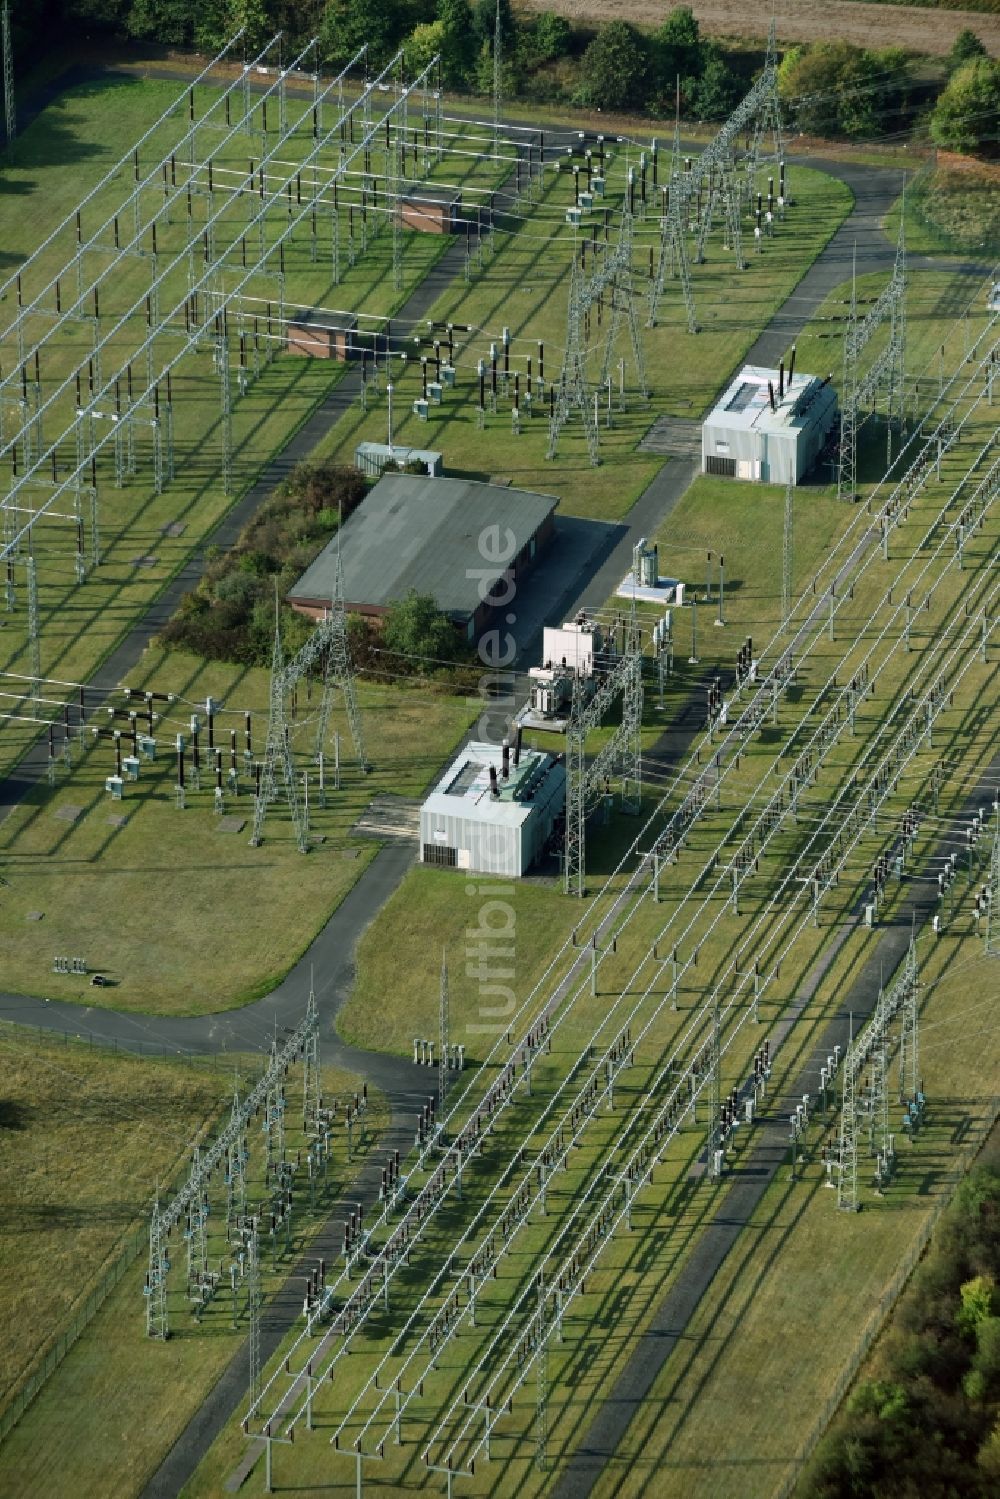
{"points": [[927, 1423], [828, 88]]}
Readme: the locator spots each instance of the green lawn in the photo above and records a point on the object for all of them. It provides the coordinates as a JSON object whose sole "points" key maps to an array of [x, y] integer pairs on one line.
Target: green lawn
{"points": [[145, 902], [83, 1173], [86, 1138]]}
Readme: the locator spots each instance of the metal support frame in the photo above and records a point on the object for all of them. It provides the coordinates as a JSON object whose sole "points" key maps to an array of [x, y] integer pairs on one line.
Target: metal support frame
{"points": [[9, 100], [205, 1162], [611, 277], [622, 754], [860, 391]]}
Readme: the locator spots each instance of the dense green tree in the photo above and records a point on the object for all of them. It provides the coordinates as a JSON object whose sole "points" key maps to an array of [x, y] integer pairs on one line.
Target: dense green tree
{"points": [[836, 89], [458, 46], [552, 36], [966, 117], [679, 47], [717, 91], [615, 68], [965, 47], [349, 24], [419, 632], [422, 46]]}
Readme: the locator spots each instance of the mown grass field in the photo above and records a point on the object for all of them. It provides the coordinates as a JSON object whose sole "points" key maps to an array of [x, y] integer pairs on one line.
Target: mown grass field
{"points": [[146, 902], [83, 1174], [87, 1136]]}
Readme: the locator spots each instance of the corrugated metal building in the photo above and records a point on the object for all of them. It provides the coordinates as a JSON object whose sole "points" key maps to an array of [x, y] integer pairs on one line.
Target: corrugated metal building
{"points": [[480, 819], [466, 544], [768, 427]]}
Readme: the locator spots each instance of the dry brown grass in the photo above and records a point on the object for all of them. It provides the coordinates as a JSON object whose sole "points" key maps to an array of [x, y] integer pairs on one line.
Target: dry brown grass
{"points": [[863, 25]]}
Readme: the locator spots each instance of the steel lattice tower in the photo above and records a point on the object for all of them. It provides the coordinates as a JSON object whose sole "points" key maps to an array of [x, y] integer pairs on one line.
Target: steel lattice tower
{"points": [[993, 900], [278, 754], [254, 1299], [860, 392], [9, 103], [576, 801], [312, 1084], [787, 558], [673, 257], [156, 1278], [572, 390], [236, 1168], [497, 77], [909, 1036], [445, 1030], [847, 1181], [632, 719], [338, 668], [623, 304]]}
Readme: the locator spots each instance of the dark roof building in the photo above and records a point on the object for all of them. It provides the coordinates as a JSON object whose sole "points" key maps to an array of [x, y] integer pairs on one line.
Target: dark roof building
{"points": [[454, 539]]}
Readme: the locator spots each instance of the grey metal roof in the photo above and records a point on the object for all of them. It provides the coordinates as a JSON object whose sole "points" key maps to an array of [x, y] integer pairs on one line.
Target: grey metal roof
{"points": [[745, 404], [424, 533]]}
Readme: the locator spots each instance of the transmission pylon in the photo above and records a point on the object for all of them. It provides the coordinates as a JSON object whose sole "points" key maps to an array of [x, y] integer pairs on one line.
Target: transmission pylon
{"points": [[623, 303], [497, 78], [444, 1029], [847, 1179], [253, 1305], [632, 718], [236, 1168], [572, 391], [156, 1278], [993, 899], [786, 557], [576, 801], [278, 754], [673, 257], [338, 667], [909, 1035], [9, 103], [312, 1085]]}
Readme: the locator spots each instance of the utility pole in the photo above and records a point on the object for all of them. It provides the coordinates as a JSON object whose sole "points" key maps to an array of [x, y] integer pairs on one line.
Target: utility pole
{"points": [[254, 1299], [786, 558], [9, 103], [847, 1180], [444, 1031], [993, 899], [278, 752], [497, 78]]}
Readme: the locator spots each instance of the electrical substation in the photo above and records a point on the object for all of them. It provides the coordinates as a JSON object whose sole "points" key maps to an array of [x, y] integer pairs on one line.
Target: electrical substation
{"points": [[619, 915]]}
